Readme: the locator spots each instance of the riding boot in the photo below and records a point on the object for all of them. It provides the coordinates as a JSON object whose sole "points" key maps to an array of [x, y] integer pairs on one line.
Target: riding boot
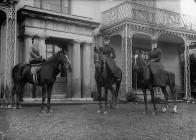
{"points": [[34, 78]]}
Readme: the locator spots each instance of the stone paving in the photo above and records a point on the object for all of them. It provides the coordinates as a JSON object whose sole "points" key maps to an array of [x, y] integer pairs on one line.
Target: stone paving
{"points": [[81, 122]]}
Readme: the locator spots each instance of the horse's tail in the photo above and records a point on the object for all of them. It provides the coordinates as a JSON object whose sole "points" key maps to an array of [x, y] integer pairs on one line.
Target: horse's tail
{"points": [[16, 73]]}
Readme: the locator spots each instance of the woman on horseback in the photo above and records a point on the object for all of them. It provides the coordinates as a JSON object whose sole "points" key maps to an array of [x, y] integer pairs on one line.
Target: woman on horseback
{"points": [[109, 56], [35, 56]]}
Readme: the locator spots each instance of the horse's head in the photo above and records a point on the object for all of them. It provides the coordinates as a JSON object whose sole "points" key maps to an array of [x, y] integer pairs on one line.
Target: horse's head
{"points": [[138, 62], [98, 60], [64, 62]]}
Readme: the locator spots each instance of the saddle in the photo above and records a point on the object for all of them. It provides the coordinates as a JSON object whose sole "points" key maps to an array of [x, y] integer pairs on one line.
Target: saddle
{"points": [[158, 73], [34, 70], [115, 70]]}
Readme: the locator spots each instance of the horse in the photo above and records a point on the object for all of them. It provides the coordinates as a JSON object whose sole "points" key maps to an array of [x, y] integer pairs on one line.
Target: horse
{"points": [[105, 79], [146, 81], [193, 76], [46, 76]]}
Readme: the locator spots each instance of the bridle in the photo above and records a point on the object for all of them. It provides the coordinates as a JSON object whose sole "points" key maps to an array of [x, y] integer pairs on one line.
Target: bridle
{"points": [[138, 66], [98, 61]]}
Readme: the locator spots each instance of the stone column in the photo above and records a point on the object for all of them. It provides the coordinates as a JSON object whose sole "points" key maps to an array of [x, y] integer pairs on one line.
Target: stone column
{"points": [[86, 71], [76, 70], [42, 45], [69, 74], [26, 48], [187, 70], [154, 43]]}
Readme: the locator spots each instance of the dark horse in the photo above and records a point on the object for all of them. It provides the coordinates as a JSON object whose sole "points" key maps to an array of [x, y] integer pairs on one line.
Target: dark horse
{"points": [[145, 79], [21, 74], [193, 76], [105, 79]]}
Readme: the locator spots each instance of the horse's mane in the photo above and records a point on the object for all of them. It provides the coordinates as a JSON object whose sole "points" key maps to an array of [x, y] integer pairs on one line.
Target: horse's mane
{"points": [[50, 59], [141, 63]]}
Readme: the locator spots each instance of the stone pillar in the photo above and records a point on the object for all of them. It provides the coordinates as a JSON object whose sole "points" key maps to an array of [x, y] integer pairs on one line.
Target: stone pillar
{"points": [[26, 48], [76, 70], [154, 43], [86, 70], [42, 45], [69, 74]]}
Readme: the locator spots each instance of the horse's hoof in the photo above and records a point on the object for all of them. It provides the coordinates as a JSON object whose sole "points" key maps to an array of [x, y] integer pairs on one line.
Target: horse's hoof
{"points": [[43, 111], [164, 109], [9, 106], [19, 107], [1, 106], [175, 109], [193, 102], [188, 101], [154, 113], [145, 113], [116, 107], [13, 107], [105, 112], [98, 111], [50, 111]]}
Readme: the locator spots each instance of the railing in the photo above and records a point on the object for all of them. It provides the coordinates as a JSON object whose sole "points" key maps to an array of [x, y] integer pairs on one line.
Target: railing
{"points": [[149, 15]]}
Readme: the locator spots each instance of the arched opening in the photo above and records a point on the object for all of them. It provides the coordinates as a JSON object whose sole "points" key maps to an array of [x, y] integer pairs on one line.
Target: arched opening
{"points": [[141, 43], [172, 47]]}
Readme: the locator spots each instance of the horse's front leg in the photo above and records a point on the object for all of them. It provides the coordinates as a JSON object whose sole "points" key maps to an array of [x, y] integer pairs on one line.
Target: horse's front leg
{"points": [[99, 98], [166, 99], [173, 92], [14, 90], [43, 99], [114, 96], [19, 95], [153, 100], [106, 99], [145, 100], [49, 90]]}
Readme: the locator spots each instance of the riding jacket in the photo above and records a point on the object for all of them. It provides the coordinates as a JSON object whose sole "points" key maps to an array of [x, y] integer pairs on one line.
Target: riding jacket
{"points": [[35, 56], [155, 55]]}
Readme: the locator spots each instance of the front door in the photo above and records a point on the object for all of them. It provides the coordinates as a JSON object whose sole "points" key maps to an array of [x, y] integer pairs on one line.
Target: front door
{"points": [[60, 85]]}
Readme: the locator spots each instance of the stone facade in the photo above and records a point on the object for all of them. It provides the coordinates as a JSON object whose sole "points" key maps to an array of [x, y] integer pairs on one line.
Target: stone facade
{"points": [[73, 32]]}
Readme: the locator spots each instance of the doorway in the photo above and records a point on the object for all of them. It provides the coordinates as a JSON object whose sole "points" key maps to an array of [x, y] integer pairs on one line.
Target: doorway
{"points": [[53, 45]]}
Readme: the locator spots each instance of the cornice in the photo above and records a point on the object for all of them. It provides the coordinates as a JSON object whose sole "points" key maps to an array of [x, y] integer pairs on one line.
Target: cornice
{"points": [[150, 29], [28, 11]]}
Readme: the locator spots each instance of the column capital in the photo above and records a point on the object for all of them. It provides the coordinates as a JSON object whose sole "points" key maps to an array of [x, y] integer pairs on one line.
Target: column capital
{"points": [[154, 43], [86, 43], [76, 41]]}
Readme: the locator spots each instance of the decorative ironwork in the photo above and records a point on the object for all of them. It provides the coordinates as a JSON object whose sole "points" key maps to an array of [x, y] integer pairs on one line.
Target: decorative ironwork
{"points": [[187, 74], [10, 44], [149, 15], [126, 86]]}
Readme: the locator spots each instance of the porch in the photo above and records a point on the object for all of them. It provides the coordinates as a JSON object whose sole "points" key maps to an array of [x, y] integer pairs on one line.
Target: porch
{"points": [[138, 26]]}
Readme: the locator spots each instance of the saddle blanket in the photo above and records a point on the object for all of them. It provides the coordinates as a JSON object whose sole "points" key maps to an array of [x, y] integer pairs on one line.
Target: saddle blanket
{"points": [[34, 71], [158, 73], [113, 67]]}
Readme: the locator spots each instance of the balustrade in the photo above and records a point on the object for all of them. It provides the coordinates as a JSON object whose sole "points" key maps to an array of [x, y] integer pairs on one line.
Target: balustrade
{"points": [[129, 11]]}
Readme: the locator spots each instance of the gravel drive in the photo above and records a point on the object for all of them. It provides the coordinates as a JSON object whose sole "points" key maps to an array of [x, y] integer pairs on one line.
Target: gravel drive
{"points": [[81, 122]]}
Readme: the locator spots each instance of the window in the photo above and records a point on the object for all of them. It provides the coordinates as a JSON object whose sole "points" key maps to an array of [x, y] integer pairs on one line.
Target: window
{"points": [[60, 6]]}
